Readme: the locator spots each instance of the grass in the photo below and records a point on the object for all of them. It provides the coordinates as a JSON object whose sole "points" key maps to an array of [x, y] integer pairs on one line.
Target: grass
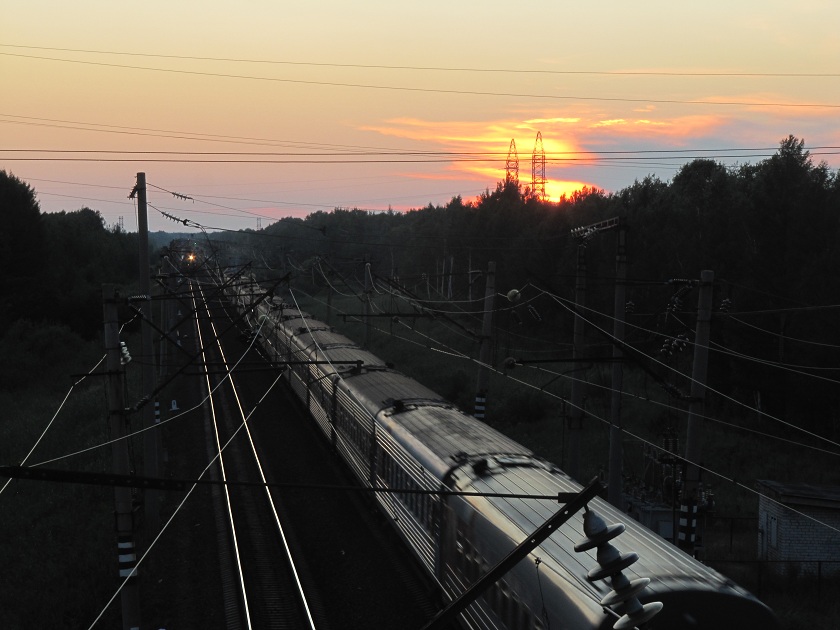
{"points": [[59, 547]]}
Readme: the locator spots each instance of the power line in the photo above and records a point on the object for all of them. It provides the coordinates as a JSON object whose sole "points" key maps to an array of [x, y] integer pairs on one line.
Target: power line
{"points": [[189, 135], [655, 73], [460, 156], [167, 133], [556, 97]]}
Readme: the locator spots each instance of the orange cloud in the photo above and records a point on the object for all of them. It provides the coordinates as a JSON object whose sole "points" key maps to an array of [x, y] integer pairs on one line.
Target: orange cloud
{"points": [[682, 127], [541, 121], [568, 140]]}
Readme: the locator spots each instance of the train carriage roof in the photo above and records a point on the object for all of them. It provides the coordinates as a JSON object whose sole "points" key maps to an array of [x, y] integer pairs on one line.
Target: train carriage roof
{"points": [[658, 559], [433, 430], [324, 344], [379, 389], [694, 594]]}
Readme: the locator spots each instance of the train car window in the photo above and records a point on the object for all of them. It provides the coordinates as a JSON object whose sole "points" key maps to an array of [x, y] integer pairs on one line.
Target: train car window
{"points": [[526, 619], [462, 550], [389, 470], [505, 603], [475, 565], [466, 562], [489, 596]]}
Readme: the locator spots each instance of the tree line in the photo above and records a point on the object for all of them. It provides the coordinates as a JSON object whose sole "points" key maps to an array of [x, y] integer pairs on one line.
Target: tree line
{"points": [[770, 231], [54, 265]]}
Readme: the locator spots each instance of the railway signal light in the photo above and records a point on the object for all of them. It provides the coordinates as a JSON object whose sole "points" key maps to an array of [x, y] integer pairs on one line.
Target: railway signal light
{"points": [[611, 563]]}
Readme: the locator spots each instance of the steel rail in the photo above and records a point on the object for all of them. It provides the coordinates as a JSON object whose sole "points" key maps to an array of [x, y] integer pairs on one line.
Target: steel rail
{"points": [[276, 516], [220, 448]]}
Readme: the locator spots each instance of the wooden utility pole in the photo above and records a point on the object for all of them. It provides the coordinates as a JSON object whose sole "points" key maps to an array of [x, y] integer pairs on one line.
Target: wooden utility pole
{"points": [[151, 438], [123, 506], [615, 485], [696, 410], [484, 349]]}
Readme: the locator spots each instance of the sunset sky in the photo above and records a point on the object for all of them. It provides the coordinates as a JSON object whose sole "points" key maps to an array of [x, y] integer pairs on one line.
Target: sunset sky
{"points": [[385, 104]]}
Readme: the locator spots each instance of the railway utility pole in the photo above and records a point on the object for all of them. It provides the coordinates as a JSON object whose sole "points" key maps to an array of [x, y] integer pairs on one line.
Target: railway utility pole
{"points": [[368, 291], [151, 438], [484, 348], [696, 410], [575, 420], [123, 504], [615, 483]]}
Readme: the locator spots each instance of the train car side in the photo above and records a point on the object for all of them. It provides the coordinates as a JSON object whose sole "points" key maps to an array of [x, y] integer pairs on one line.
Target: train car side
{"points": [[401, 438]]}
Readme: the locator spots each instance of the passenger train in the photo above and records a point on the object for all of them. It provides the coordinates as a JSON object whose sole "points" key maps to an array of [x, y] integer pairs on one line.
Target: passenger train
{"points": [[395, 433]]}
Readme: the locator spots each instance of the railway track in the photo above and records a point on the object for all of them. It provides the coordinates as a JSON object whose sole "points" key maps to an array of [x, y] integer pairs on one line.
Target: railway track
{"points": [[354, 571], [262, 586]]}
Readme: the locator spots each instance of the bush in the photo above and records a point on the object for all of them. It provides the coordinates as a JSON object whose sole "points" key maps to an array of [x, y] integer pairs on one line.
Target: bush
{"points": [[35, 354]]}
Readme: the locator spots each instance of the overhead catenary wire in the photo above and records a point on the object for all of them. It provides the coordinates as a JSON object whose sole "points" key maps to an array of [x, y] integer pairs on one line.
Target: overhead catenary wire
{"points": [[643, 440], [706, 417], [570, 377], [183, 501], [52, 420], [633, 435], [787, 338], [156, 425], [708, 388], [719, 348]]}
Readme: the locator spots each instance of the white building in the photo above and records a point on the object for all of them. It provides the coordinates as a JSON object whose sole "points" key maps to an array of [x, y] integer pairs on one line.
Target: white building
{"points": [[792, 532]]}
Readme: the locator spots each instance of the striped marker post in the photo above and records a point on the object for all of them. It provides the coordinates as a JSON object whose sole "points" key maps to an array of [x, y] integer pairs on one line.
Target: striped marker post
{"points": [[127, 557], [480, 405], [688, 526]]}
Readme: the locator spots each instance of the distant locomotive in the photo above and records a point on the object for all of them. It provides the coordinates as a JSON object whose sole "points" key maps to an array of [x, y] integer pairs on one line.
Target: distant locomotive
{"points": [[395, 433]]}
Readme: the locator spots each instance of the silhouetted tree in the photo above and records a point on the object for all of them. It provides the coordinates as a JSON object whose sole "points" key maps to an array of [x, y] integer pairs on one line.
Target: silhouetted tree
{"points": [[21, 248]]}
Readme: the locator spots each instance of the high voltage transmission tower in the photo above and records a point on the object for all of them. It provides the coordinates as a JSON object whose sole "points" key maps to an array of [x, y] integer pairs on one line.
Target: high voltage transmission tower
{"points": [[512, 164], [538, 169]]}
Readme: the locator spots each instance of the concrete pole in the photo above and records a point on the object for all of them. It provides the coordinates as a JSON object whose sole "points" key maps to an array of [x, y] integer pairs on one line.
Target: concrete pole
{"points": [[615, 482], [123, 507], [484, 349], [151, 438], [575, 417], [696, 410], [367, 304]]}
